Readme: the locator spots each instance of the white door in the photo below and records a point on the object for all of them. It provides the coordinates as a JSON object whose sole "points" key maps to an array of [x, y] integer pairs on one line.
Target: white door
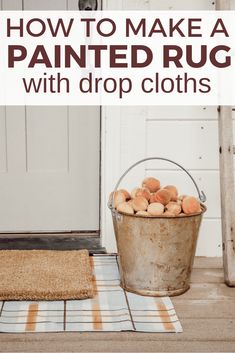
{"points": [[49, 159]]}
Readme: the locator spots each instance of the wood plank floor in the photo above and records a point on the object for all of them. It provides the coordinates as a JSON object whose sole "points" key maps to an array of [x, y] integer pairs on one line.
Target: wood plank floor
{"points": [[206, 311]]}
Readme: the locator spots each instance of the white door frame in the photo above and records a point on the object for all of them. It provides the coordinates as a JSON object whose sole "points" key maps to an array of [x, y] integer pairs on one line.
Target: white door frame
{"points": [[115, 133], [110, 169]]}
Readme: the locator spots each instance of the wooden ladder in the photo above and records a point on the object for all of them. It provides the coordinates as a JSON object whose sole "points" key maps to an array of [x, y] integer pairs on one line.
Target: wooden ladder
{"points": [[226, 152]]}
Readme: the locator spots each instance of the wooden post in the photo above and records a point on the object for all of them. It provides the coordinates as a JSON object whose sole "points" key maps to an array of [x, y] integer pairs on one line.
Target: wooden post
{"points": [[226, 149], [227, 192]]}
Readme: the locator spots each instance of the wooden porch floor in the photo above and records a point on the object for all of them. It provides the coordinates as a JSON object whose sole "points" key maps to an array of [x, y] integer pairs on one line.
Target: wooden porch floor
{"points": [[206, 311]]}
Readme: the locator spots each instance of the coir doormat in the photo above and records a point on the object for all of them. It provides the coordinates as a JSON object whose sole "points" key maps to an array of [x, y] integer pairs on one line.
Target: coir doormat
{"points": [[45, 275], [111, 309]]}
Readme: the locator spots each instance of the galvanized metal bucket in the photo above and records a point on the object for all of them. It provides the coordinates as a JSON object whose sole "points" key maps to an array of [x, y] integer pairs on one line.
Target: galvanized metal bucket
{"points": [[156, 254]]}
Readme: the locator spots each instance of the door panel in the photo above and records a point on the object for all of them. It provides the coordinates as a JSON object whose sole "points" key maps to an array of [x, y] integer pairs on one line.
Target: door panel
{"points": [[49, 160], [45, 153]]}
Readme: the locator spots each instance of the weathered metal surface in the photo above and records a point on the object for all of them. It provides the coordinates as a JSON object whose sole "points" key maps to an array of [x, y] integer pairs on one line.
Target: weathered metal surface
{"points": [[156, 254]]}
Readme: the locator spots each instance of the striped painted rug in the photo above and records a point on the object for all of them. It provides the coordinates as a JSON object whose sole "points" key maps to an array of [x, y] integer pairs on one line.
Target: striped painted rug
{"points": [[112, 309]]}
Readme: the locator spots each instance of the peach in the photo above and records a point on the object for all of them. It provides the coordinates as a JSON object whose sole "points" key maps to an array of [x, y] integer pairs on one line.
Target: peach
{"points": [[163, 196], [173, 208], [139, 203], [126, 193], [141, 192], [191, 205], [119, 197], [152, 198], [155, 209], [181, 197], [152, 184], [130, 202], [143, 213], [179, 202], [111, 196], [125, 208], [169, 214], [133, 192], [173, 191]]}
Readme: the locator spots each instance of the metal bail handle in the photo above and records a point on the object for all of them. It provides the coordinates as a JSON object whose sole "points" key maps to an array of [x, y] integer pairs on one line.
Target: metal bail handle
{"points": [[201, 194]]}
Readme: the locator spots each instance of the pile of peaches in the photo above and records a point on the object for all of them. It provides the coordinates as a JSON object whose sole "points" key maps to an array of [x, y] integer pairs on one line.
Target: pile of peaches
{"points": [[151, 200]]}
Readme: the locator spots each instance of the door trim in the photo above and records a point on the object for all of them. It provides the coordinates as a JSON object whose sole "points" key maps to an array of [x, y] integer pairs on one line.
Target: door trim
{"points": [[116, 130], [110, 169]]}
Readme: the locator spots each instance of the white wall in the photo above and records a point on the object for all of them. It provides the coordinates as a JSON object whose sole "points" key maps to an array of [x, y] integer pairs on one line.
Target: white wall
{"points": [[188, 135]]}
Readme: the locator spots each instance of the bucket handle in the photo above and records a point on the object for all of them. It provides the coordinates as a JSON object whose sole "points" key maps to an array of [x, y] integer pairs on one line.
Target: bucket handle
{"points": [[201, 194]]}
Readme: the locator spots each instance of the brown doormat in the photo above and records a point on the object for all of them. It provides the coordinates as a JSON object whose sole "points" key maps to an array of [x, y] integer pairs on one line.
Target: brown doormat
{"points": [[45, 275]]}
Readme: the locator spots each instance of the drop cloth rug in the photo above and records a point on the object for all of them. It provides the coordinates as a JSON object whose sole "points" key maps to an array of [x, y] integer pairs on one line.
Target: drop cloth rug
{"points": [[45, 275], [111, 309]]}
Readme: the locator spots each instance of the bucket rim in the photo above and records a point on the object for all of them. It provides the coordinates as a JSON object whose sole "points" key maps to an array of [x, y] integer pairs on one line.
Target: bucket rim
{"points": [[204, 209]]}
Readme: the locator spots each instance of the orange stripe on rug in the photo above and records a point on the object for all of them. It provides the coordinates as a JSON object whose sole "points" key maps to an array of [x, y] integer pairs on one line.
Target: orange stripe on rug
{"points": [[165, 317], [96, 313], [32, 317]]}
